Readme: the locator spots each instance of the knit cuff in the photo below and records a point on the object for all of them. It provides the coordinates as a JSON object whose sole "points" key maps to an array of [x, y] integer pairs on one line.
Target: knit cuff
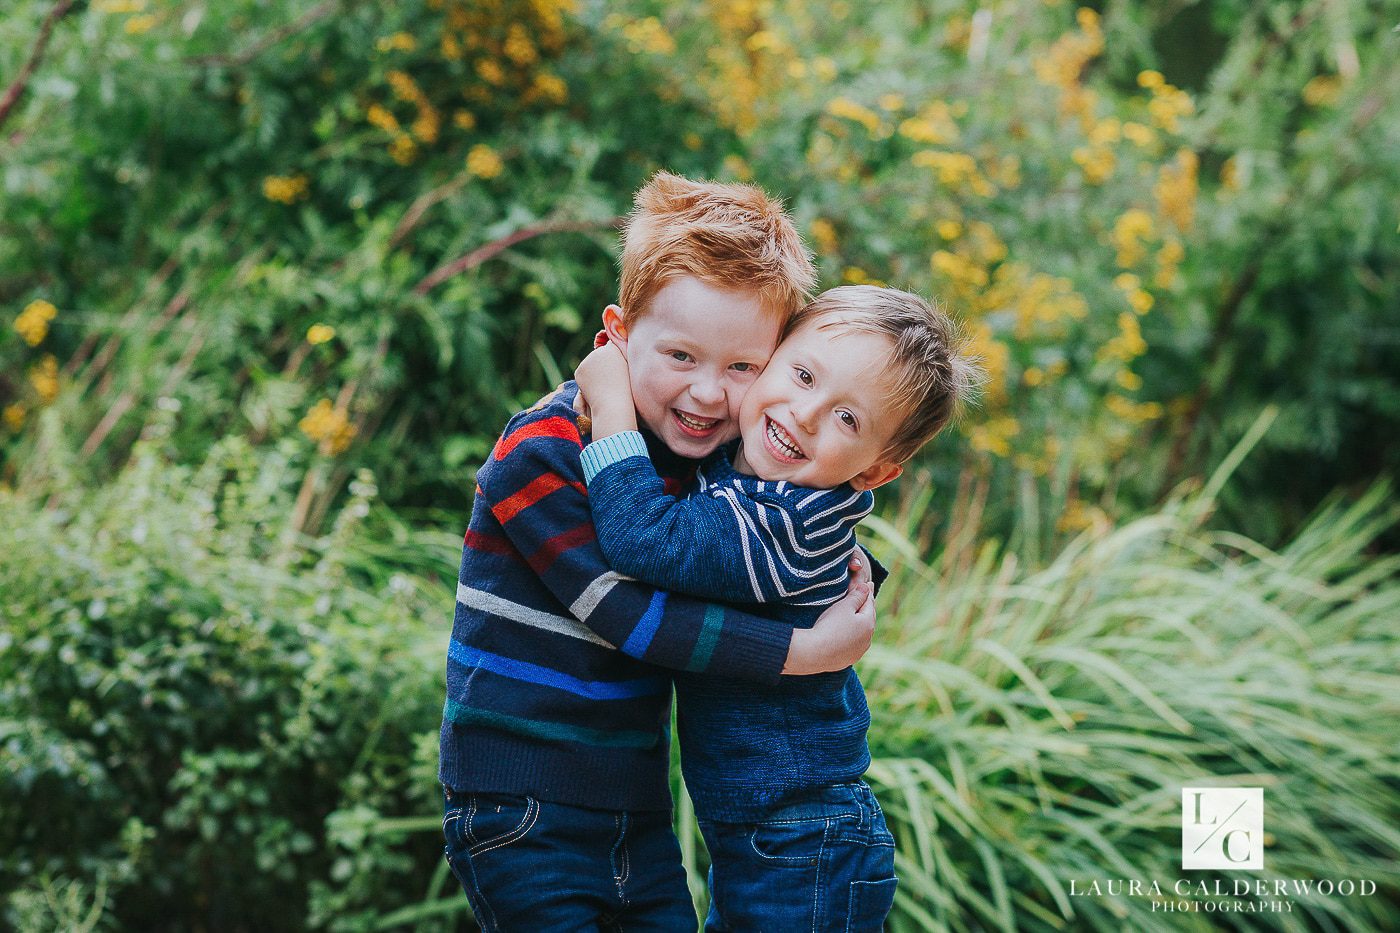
{"points": [[606, 451]]}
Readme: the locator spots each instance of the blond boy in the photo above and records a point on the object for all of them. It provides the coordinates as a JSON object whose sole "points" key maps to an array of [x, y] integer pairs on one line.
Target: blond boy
{"points": [[863, 378]]}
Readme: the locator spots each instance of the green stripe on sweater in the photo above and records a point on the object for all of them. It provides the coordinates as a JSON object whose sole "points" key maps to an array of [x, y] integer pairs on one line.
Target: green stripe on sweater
{"points": [[462, 715], [709, 637]]}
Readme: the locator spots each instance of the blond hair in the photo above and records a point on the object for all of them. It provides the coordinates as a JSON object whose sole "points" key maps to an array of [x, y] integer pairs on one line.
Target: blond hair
{"points": [[729, 236], [934, 375]]}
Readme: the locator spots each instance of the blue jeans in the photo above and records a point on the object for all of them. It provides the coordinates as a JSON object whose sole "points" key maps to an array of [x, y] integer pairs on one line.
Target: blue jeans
{"points": [[822, 862], [532, 865]]}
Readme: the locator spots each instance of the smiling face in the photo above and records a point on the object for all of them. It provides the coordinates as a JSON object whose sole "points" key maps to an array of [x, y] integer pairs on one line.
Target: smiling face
{"points": [[692, 357], [819, 415]]}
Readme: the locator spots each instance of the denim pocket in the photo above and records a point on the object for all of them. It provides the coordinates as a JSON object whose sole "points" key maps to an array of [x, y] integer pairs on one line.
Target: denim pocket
{"points": [[492, 821], [794, 842], [871, 902]]}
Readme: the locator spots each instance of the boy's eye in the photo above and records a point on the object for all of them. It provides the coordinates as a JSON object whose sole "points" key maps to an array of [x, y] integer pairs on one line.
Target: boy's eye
{"points": [[744, 367], [680, 356], [848, 419], [803, 376]]}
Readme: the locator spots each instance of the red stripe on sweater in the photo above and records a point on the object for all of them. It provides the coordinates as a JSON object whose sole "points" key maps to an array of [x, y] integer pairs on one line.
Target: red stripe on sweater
{"points": [[557, 427], [549, 552], [488, 544], [536, 490]]}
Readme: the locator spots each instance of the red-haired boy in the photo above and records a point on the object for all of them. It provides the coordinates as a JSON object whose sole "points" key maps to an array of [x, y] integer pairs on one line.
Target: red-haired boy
{"points": [[555, 746]]}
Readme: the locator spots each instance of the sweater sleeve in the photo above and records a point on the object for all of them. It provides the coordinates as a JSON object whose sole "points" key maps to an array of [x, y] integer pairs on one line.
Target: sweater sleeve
{"points": [[693, 544], [533, 483], [727, 544]]}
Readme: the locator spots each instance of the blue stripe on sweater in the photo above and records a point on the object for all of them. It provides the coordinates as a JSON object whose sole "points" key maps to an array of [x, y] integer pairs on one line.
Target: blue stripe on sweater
{"points": [[640, 639], [537, 674]]}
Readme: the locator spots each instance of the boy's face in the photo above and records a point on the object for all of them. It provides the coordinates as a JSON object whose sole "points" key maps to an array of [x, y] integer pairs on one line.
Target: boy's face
{"points": [[692, 358], [819, 414]]}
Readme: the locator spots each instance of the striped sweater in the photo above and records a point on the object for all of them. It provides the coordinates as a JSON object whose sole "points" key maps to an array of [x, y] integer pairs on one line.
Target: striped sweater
{"points": [[734, 537], [557, 670], [745, 747]]}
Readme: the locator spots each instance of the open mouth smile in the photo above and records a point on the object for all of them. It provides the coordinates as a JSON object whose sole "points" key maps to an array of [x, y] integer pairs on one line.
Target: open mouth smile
{"points": [[695, 427], [780, 443]]}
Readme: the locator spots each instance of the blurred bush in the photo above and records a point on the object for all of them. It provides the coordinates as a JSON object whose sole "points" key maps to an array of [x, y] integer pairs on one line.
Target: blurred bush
{"points": [[203, 720]]}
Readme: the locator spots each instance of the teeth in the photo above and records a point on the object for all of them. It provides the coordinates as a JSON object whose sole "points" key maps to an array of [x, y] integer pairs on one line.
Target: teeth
{"points": [[783, 442], [692, 423]]}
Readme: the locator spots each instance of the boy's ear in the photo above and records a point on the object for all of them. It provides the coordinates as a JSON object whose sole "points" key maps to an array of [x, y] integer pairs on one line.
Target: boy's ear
{"points": [[613, 326], [876, 475]]}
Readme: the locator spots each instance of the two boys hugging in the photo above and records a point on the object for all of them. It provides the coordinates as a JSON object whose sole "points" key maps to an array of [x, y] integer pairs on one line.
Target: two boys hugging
{"points": [[622, 542]]}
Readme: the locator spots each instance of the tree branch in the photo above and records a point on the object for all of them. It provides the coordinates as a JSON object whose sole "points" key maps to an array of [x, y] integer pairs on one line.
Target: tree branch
{"points": [[482, 253], [16, 88], [301, 24]]}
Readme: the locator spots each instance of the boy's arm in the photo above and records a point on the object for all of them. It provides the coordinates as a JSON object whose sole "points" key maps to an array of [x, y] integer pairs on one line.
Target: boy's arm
{"points": [[729, 547], [533, 483]]}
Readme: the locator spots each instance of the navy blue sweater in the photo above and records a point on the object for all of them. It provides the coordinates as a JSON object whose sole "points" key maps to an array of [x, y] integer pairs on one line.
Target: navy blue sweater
{"points": [[745, 747]]}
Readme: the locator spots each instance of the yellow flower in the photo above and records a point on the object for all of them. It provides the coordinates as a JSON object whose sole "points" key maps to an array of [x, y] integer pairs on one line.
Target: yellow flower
{"points": [[464, 120], [491, 71], [1097, 162], [550, 87], [428, 124], [319, 333], [483, 162], [403, 149], [14, 416], [1138, 134], [1077, 517], [398, 42], [648, 35], [1106, 131], [994, 435], [1128, 344], [139, 24], [1134, 226], [1150, 80], [1322, 91], [847, 109], [953, 168], [33, 322], [1169, 257], [1129, 380], [824, 68], [692, 140], [119, 6], [1033, 376], [736, 166], [286, 189], [329, 427], [1129, 410], [518, 47], [1176, 189], [891, 101], [43, 376], [379, 116], [949, 229], [824, 232]]}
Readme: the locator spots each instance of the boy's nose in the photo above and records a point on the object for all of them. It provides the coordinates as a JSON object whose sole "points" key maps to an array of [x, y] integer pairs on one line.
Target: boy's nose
{"points": [[707, 392], [805, 416]]}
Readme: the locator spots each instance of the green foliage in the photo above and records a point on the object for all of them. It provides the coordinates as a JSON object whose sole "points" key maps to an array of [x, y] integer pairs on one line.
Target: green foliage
{"points": [[202, 718]]}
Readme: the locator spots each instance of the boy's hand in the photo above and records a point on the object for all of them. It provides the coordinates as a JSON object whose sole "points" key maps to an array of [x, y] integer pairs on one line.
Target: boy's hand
{"points": [[842, 634], [605, 382]]}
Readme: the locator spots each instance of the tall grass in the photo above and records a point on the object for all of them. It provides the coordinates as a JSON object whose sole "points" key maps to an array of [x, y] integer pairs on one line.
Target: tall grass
{"points": [[1035, 725]]}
